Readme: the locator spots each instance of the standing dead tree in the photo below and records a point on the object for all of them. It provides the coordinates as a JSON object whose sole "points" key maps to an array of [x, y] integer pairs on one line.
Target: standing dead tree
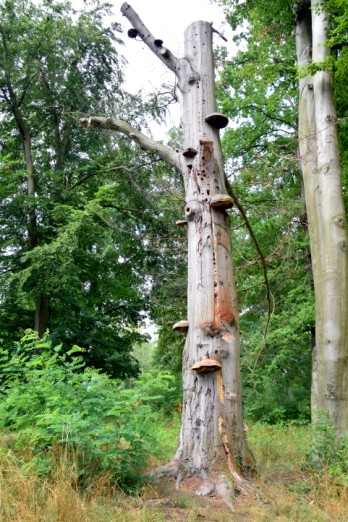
{"points": [[212, 440]]}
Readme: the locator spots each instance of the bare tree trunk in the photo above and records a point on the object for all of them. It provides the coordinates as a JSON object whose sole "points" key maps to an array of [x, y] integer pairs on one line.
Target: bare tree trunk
{"points": [[212, 431], [212, 438], [14, 107], [42, 303], [330, 373], [327, 227]]}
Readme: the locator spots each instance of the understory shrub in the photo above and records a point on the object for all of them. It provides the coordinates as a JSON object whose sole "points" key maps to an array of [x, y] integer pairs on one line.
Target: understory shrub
{"points": [[328, 452], [51, 404]]}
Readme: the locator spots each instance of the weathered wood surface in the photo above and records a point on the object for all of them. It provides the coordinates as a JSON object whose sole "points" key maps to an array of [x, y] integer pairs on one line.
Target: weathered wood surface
{"points": [[212, 428]]}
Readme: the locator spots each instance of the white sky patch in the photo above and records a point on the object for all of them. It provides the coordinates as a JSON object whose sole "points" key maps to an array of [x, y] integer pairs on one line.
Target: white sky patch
{"points": [[167, 20]]}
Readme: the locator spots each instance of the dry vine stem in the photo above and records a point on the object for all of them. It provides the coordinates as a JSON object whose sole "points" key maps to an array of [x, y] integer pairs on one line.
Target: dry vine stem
{"points": [[212, 440]]}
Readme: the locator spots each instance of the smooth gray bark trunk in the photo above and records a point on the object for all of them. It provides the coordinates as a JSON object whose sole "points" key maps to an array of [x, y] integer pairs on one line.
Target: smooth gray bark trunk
{"points": [[328, 236]]}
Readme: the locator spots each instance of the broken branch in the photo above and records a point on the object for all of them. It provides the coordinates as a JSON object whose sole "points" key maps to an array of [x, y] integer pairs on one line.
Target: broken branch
{"points": [[260, 254], [181, 67], [166, 56], [163, 151]]}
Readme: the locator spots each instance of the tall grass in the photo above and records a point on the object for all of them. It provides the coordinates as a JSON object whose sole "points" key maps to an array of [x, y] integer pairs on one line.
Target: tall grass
{"points": [[285, 490]]}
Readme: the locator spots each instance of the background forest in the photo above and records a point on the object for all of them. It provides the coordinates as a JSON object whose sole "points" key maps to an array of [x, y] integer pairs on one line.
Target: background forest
{"points": [[89, 254]]}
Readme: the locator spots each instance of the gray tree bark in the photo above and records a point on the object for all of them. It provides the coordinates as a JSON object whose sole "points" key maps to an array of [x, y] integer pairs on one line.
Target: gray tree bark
{"points": [[212, 438], [212, 427], [321, 170]]}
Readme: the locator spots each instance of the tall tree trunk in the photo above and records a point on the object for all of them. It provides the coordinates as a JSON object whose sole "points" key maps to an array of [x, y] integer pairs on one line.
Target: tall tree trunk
{"points": [[327, 225], [212, 431], [14, 107], [212, 435], [42, 303], [330, 372]]}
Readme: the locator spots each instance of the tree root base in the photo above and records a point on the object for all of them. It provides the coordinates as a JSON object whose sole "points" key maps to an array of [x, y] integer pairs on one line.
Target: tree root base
{"points": [[216, 484]]}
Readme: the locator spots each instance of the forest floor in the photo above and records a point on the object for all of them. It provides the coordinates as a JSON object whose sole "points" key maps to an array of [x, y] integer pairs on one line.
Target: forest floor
{"points": [[283, 491]]}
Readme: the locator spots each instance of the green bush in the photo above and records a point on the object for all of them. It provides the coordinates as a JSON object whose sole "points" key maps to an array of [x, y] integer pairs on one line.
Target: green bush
{"points": [[161, 390], [51, 402], [327, 451]]}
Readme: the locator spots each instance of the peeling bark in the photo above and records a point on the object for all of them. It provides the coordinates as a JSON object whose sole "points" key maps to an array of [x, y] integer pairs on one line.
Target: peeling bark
{"points": [[212, 434], [212, 438]]}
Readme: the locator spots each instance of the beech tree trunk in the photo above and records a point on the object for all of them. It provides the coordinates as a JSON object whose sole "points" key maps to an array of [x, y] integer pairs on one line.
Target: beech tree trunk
{"points": [[212, 431], [14, 107], [328, 236]]}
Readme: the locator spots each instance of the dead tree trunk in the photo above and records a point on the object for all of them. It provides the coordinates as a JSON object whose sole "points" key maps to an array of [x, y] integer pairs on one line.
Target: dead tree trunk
{"points": [[322, 179], [212, 434], [212, 426]]}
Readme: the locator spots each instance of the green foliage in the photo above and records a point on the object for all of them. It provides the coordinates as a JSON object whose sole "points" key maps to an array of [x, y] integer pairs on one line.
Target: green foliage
{"points": [[161, 390], [101, 205], [50, 401], [258, 89], [327, 451], [312, 68]]}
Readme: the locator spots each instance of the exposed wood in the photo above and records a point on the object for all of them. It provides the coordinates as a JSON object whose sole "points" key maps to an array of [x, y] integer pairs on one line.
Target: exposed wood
{"points": [[212, 435], [212, 303], [164, 152], [181, 67]]}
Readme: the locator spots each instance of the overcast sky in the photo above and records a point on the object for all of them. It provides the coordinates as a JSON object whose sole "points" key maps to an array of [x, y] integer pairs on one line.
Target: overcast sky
{"points": [[166, 19]]}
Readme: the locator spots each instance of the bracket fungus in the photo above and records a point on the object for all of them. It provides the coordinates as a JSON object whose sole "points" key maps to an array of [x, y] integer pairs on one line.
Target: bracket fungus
{"points": [[181, 222], [221, 201], [206, 365], [217, 120], [132, 32], [181, 326]]}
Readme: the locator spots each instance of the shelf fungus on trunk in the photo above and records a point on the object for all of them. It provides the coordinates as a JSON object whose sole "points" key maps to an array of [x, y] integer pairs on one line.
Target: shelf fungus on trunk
{"points": [[132, 33], [217, 120], [221, 201], [181, 222], [206, 365], [181, 326]]}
